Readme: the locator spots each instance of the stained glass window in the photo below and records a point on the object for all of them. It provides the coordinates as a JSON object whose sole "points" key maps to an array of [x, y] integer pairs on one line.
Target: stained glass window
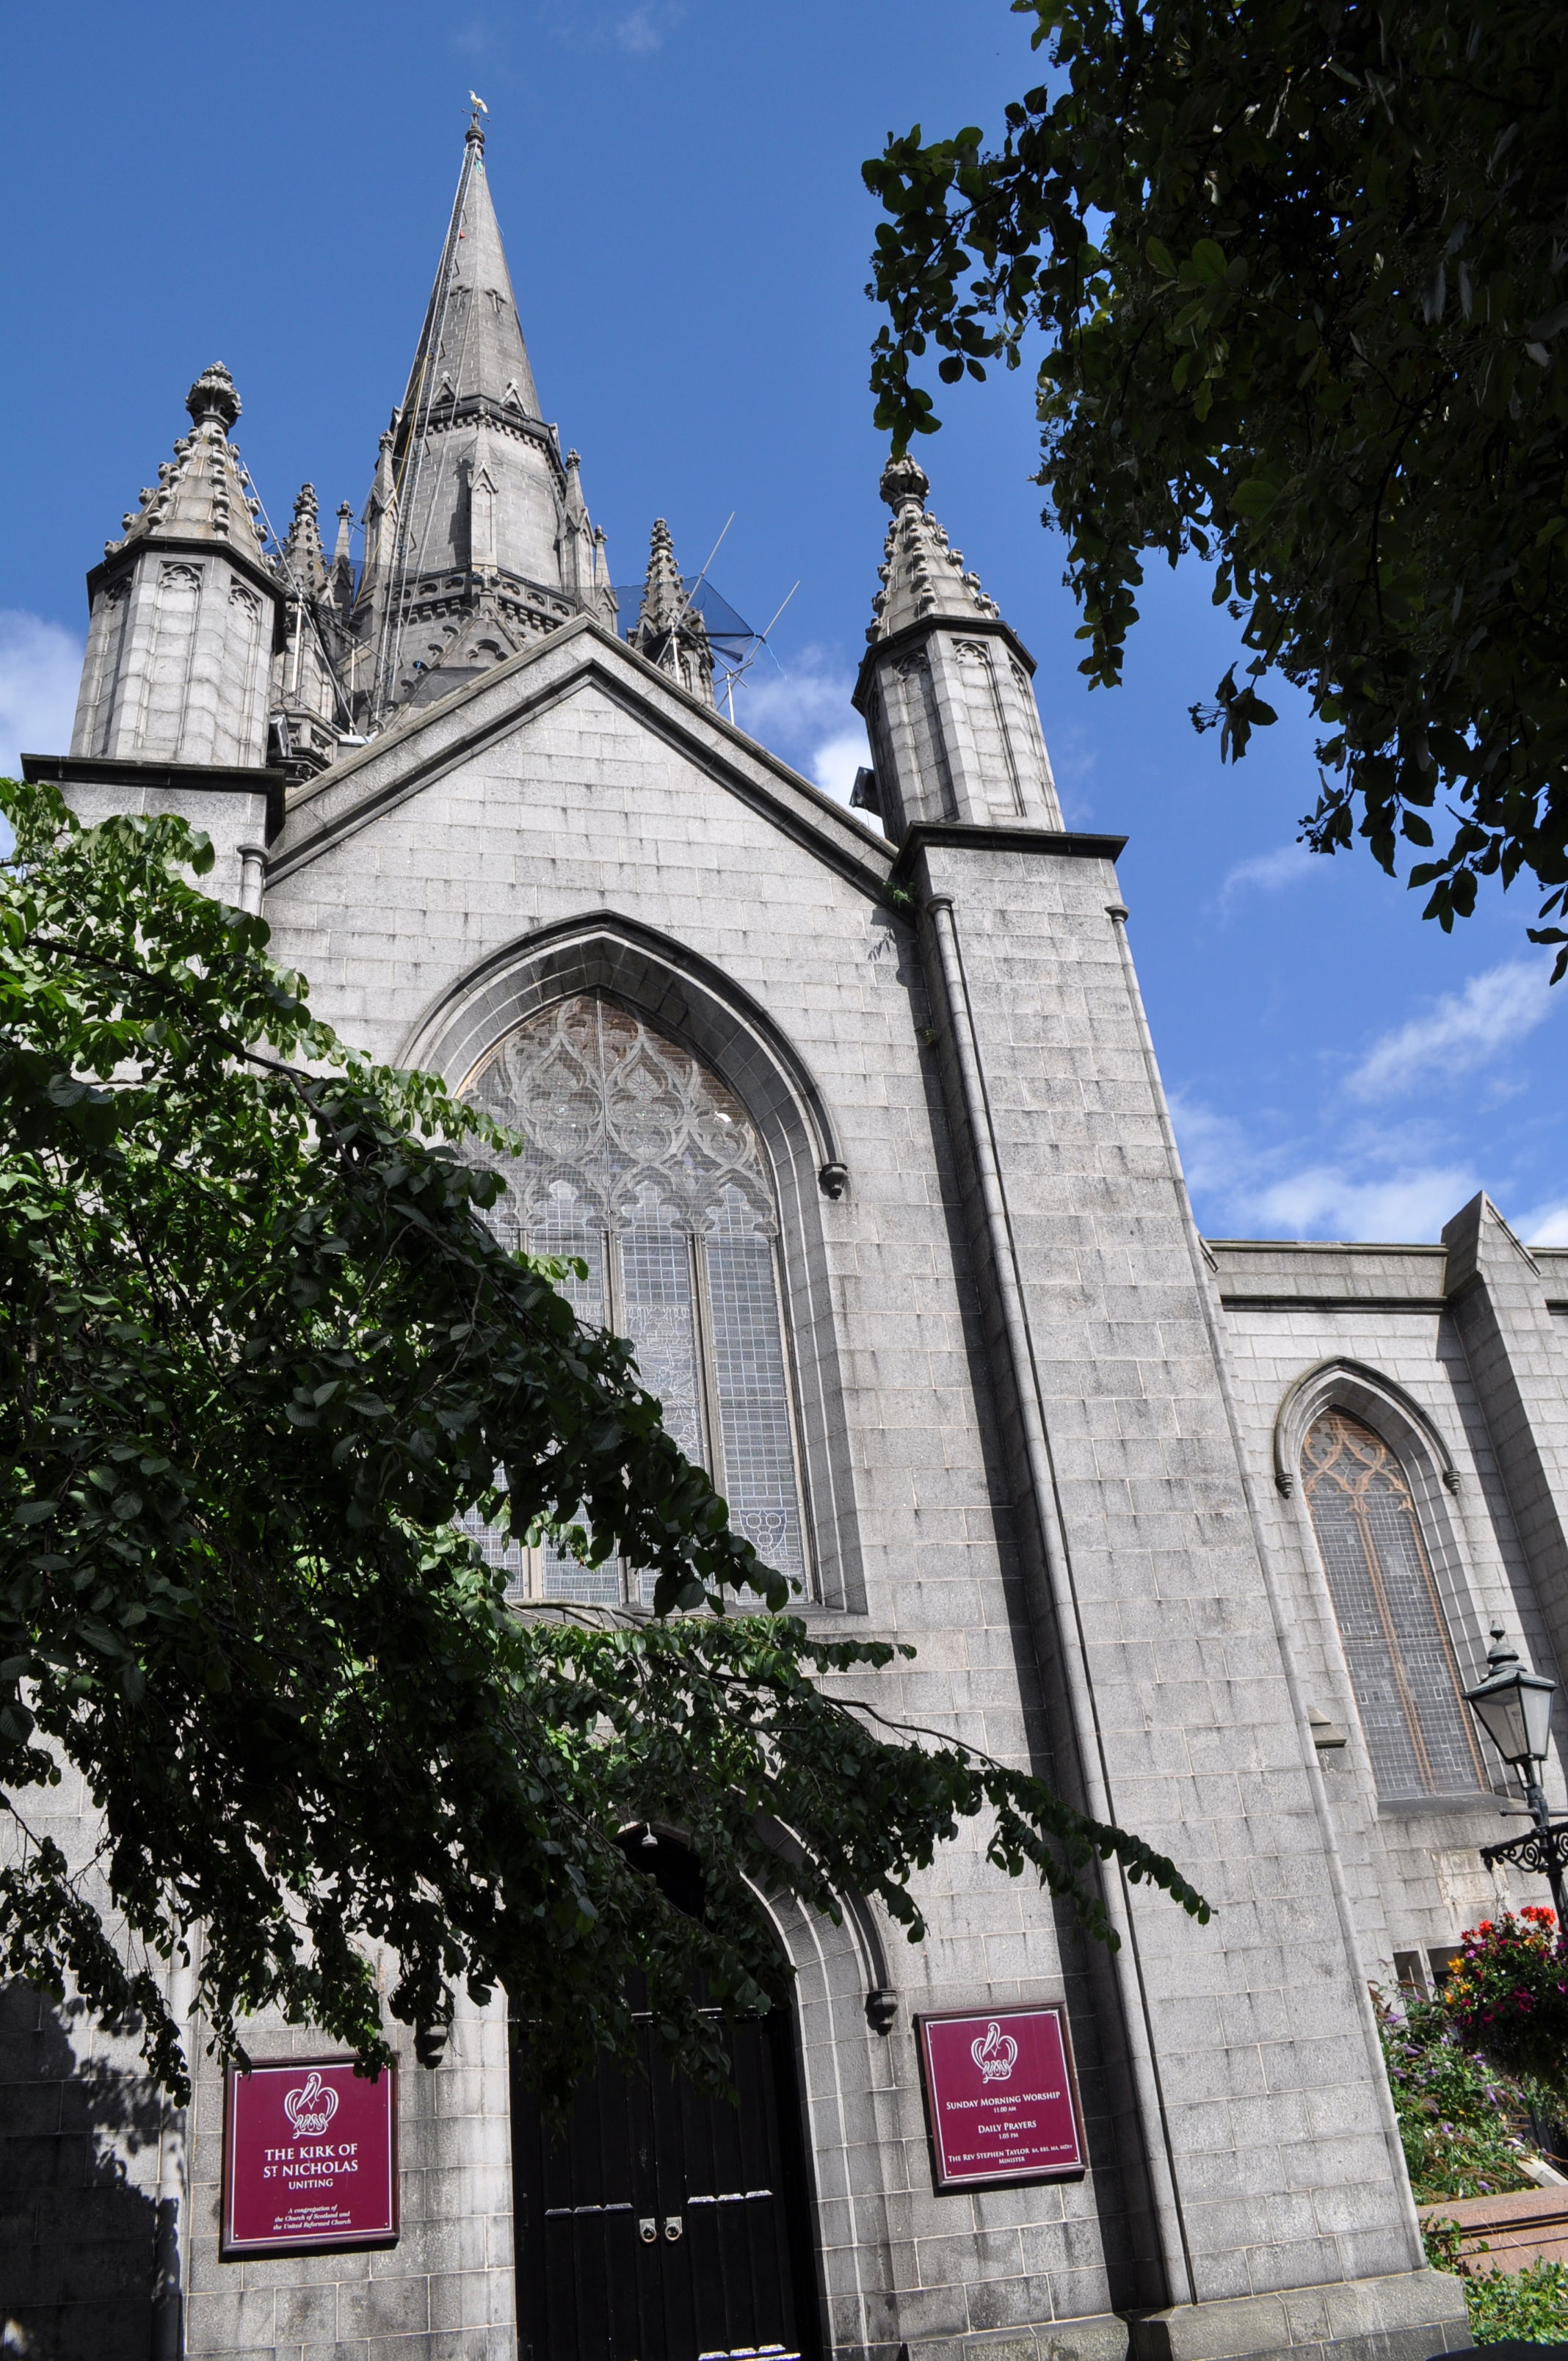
{"points": [[1396, 1645], [641, 1162]]}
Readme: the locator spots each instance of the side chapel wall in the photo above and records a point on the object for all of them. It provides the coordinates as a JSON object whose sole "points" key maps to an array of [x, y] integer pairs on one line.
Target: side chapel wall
{"points": [[1367, 1329]]}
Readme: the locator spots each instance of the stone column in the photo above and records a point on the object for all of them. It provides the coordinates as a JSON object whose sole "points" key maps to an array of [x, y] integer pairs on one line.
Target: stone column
{"points": [[1257, 2097]]}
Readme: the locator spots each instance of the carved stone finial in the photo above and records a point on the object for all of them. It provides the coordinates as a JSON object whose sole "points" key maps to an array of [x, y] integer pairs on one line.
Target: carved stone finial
{"points": [[904, 478], [213, 395]]}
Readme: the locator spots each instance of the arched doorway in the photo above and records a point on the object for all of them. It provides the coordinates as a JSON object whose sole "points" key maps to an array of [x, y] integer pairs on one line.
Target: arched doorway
{"points": [[660, 2224]]}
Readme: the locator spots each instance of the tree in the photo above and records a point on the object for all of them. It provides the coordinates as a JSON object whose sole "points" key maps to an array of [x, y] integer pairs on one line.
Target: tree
{"points": [[260, 1355], [1301, 268]]}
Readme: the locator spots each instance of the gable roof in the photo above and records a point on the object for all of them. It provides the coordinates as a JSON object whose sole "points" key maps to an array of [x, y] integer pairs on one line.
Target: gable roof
{"points": [[429, 741]]}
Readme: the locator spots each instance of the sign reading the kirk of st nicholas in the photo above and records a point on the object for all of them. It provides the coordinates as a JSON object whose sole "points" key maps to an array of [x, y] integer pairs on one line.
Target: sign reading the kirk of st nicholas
{"points": [[309, 2159], [1001, 2097]]}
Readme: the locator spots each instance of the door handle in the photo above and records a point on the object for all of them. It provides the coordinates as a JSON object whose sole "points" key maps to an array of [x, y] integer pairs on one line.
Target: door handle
{"points": [[648, 2230], [674, 2227]]}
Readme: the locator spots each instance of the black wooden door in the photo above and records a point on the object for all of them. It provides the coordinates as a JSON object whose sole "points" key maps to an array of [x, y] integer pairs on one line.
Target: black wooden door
{"points": [[662, 2225]]}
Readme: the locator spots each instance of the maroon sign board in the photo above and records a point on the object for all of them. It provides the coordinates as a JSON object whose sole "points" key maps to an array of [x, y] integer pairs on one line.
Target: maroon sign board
{"points": [[1001, 2097], [309, 2159]]}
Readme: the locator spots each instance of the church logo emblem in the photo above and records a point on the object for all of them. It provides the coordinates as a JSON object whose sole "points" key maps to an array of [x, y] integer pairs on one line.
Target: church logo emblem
{"points": [[311, 2107], [995, 2053]]}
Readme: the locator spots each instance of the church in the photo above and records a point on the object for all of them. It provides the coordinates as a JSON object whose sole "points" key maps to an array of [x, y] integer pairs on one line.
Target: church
{"points": [[855, 1119]]}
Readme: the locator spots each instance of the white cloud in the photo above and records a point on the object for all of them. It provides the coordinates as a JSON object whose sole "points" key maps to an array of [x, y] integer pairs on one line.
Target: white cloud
{"points": [[589, 23], [835, 762], [1546, 1225], [40, 668], [1266, 872], [782, 708], [1371, 1186], [639, 31], [804, 714], [1463, 1031], [1325, 1201]]}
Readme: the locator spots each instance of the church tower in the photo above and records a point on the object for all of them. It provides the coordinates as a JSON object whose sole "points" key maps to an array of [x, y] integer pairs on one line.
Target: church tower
{"points": [[185, 610], [944, 686], [186, 620], [476, 536]]}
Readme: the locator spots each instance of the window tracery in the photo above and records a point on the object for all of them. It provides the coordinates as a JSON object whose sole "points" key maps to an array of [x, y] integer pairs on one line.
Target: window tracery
{"points": [[640, 1162], [1396, 1643]]}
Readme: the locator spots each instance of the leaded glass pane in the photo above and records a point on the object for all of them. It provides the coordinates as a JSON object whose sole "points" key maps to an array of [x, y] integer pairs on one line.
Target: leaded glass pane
{"points": [[610, 1105], [637, 1159], [756, 1441], [1396, 1645]]}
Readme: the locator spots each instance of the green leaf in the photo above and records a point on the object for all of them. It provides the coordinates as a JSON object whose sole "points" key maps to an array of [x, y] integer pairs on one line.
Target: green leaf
{"points": [[272, 1648], [1254, 498]]}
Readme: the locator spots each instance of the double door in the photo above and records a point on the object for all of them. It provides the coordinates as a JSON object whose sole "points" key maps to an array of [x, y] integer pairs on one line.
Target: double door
{"points": [[660, 2224]]}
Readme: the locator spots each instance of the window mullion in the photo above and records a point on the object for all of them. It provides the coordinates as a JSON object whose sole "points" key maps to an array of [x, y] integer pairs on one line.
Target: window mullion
{"points": [[707, 1372]]}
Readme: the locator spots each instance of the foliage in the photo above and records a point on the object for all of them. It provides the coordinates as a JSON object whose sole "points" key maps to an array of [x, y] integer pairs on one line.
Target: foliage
{"points": [[1507, 1997], [1456, 2119], [1531, 2304], [258, 1355], [1301, 268]]}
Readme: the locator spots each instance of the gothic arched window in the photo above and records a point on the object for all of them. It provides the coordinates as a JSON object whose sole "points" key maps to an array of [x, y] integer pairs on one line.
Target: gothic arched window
{"points": [[640, 1161], [1396, 1645]]}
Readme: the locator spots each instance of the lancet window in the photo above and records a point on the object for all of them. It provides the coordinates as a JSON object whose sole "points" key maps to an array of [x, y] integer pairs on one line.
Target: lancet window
{"points": [[1398, 1649], [642, 1163]]}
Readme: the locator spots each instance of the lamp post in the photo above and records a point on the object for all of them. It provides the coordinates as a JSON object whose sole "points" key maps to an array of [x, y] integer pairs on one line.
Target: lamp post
{"points": [[1514, 1709]]}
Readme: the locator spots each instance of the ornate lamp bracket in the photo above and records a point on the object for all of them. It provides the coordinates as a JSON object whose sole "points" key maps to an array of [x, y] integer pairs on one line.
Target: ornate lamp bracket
{"points": [[1544, 1850]]}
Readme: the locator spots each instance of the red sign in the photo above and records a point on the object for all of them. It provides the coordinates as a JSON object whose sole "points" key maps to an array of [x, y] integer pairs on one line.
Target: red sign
{"points": [[1001, 2099], [309, 2159]]}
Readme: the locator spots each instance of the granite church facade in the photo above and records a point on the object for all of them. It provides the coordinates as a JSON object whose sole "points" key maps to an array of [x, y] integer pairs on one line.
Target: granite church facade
{"points": [[857, 1121]]}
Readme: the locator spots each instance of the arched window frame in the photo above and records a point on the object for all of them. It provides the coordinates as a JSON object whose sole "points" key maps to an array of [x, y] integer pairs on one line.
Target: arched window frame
{"points": [[1430, 1469], [706, 1013]]}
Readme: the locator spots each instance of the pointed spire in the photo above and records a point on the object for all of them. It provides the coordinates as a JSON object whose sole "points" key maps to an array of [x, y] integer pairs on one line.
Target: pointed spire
{"points": [[945, 686], [921, 575], [471, 345], [203, 493], [669, 632], [304, 566], [663, 593], [576, 507], [342, 578], [473, 513]]}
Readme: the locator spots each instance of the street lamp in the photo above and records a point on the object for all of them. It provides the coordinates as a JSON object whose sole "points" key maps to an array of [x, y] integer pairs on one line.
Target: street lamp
{"points": [[1514, 1709]]}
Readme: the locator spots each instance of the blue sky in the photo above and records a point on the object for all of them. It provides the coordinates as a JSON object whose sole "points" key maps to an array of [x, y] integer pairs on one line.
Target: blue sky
{"points": [[679, 183]]}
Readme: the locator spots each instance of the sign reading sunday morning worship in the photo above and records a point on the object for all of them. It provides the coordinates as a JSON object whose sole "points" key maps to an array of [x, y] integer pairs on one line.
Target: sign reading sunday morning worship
{"points": [[1001, 2099], [309, 2159]]}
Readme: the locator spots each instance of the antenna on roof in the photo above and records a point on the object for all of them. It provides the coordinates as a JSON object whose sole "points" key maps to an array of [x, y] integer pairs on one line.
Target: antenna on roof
{"points": [[759, 642], [733, 642]]}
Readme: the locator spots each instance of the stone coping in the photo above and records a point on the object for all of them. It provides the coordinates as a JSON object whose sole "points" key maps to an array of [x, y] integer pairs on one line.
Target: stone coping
{"points": [[1524, 2226]]}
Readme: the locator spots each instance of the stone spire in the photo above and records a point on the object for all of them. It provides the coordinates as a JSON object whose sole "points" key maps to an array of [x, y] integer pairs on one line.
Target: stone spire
{"points": [[669, 632], [303, 562], [308, 710], [203, 493], [944, 685], [476, 537], [470, 347], [185, 610], [921, 575], [343, 562]]}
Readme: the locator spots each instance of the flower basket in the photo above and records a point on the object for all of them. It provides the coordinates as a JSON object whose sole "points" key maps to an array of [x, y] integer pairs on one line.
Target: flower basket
{"points": [[1507, 1997]]}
